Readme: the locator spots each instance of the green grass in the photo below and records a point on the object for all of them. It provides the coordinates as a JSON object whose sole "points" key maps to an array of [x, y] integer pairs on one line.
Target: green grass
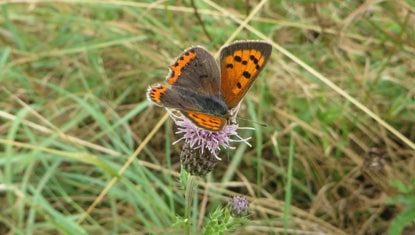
{"points": [[336, 155]]}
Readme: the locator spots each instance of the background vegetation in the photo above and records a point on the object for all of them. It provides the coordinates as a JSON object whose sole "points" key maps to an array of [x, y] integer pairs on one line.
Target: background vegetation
{"points": [[77, 132]]}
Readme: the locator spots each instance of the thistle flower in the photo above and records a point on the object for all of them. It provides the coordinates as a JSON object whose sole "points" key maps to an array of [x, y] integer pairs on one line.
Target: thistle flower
{"points": [[238, 206], [203, 140], [196, 163]]}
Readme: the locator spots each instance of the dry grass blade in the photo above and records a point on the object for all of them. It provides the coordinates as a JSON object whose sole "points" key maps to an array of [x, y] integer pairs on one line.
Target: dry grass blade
{"points": [[53, 128], [244, 23], [61, 135], [123, 168]]}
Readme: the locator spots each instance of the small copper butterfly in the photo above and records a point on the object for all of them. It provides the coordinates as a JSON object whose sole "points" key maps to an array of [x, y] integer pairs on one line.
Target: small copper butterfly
{"points": [[205, 92]]}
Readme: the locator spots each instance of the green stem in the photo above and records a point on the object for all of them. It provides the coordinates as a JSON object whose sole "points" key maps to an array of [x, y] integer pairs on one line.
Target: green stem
{"points": [[190, 191]]}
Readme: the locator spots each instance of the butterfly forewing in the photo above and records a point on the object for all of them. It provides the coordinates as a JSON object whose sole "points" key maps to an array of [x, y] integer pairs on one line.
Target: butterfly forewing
{"points": [[170, 98], [196, 69], [241, 63]]}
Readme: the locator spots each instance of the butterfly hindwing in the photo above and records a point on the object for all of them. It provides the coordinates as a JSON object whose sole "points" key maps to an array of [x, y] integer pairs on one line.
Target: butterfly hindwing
{"points": [[206, 121], [197, 70], [156, 92], [241, 63], [170, 98], [176, 99]]}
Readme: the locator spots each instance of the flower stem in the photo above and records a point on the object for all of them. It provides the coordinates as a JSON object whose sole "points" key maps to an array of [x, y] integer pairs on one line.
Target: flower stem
{"points": [[191, 187]]}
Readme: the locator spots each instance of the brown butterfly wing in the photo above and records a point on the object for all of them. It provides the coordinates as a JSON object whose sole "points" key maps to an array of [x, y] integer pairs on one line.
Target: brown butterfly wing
{"points": [[173, 98], [241, 62], [196, 69], [170, 98], [206, 121]]}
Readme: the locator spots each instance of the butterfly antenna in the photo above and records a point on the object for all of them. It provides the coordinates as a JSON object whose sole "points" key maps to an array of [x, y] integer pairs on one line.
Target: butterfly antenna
{"points": [[250, 120]]}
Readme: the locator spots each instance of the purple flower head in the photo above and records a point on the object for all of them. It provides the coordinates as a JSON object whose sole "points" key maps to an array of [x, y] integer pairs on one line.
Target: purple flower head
{"points": [[238, 206], [198, 138]]}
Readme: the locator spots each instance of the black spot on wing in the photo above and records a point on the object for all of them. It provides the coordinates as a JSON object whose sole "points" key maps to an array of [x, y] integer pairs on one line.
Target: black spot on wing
{"points": [[254, 59], [246, 74]]}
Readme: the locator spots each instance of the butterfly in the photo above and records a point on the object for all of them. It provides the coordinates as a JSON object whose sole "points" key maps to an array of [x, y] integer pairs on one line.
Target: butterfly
{"points": [[206, 92]]}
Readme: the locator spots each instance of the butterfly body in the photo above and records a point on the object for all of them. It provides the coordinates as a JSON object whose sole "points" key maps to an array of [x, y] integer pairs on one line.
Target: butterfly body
{"points": [[205, 92]]}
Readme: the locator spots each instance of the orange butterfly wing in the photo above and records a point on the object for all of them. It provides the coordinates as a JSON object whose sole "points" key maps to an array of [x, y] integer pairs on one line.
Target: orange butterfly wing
{"points": [[156, 92], [206, 121], [241, 63], [181, 62]]}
